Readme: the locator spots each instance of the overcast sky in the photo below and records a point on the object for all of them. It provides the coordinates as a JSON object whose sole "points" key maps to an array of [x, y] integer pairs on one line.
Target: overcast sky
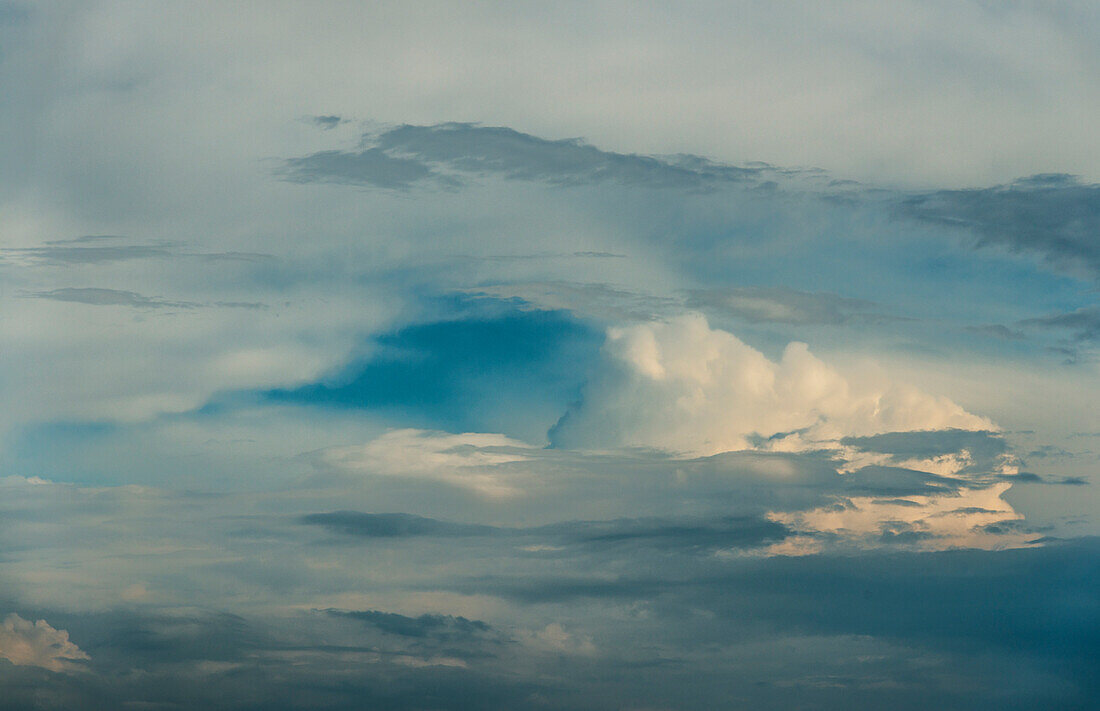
{"points": [[561, 355]]}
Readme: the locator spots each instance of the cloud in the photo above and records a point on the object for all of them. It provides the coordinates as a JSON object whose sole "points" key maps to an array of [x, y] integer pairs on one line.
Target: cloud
{"points": [[371, 167], [62, 254], [681, 386], [1082, 323], [512, 371], [963, 518], [92, 250], [109, 297], [783, 305], [27, 643], [1054, 215], [407, 154], [683, 534], [556, 639], [472, 460], [975, 455], [680, 534], [997, 330], [327, 122], [596, 301], [421, 626], [393, 525]]}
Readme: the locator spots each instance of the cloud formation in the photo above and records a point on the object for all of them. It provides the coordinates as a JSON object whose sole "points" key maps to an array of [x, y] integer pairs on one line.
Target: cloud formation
{"points": [[1082, 324], [782, 305], [37, 644], [1054, 215], [470, 460], [109, 297], [681, 386], [402, 156], [394, 525]]}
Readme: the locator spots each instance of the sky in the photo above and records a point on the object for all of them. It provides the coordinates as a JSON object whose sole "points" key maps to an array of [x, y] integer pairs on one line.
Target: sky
{"points": [[581, 356]]}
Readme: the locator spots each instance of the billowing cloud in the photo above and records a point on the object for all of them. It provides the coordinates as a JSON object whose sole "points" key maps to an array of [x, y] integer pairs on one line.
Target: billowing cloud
{"points": [[37, 644], [681, 386]]}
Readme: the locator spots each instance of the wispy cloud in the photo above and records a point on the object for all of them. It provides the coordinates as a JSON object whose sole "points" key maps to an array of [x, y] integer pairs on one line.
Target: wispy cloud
{"points": [[402, 156], [97, 296], [1054, 215], [783, 305]]}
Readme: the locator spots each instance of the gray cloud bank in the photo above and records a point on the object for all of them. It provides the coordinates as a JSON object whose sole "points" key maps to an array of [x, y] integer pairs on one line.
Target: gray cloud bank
{"points": [[402, 156], [1054, 215]]}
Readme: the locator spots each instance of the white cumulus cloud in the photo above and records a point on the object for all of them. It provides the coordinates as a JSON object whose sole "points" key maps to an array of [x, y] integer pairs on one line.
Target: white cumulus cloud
{"points": [[681, 386], [37, 644]]}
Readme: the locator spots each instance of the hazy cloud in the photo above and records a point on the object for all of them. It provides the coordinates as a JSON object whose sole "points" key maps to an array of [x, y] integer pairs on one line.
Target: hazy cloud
{"points": [[1055, 215], [421, 626], [369, 167], [401, 156], [109, 297], [394, 525], [94, 296], [1083, 324], [783, 305], [63, 255]]}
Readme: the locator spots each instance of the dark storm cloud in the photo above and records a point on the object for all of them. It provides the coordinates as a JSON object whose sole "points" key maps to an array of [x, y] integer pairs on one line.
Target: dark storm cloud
{"points": [[1055, 215], [401, 156]]}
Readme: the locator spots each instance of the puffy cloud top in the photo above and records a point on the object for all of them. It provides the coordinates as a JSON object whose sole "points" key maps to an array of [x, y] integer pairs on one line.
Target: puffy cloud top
{"points": [[682, 386], [27, 643]]}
